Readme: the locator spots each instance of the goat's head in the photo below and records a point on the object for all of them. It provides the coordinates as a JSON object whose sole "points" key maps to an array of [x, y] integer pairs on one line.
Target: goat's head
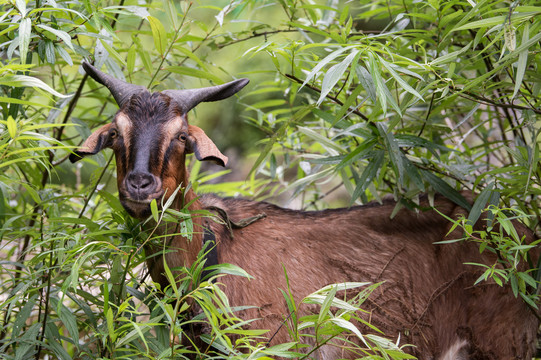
{"points": [[150, 137]]}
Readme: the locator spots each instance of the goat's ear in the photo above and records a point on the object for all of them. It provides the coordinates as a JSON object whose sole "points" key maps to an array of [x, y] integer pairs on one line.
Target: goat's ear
{"points": [[97, 141], [203, 148]]}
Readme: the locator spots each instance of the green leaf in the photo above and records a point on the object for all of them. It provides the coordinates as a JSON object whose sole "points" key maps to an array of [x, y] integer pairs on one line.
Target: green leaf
{"points": [[170, 277], [369, 174], [68, 319], [324, 62], [332, 147], [64, 36], [445, 189], [480, 204], [2, 208], [171, 12], [498, 20], [366, 81], [395, 154], [12, 127], [201, 74], [24, 80], [350, 327], [383, 93], [113, 52], [130, 59], [23, 315], [334, 74], [450, 57], [154, 210], [399, 79], [158, 34], [25, 29], [109, 317], [64, 55], [522, 60], [228, 269]]}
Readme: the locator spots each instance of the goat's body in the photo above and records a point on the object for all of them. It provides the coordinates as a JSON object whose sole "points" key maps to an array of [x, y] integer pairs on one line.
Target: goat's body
{"points": [[427, 298]]}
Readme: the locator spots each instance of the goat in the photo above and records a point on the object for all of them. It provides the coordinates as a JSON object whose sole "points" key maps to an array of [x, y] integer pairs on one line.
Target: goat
{"points": [[427, 298]]}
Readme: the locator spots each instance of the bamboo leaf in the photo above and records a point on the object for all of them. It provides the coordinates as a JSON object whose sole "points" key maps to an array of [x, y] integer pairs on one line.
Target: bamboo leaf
{"points": [[368, 175], [229, 269], [332, 147], [25, 28], [349, 326], [334, 74], [62, 35], [324, 62], [480, 204], [68, 319], [399, 80], [187, 71], [158, 34], [154, 210], [12, 127], [450, 57], [24, 80], [395, 155], [445, 189], [130, 59], [522, 60], [498, 20], [326, 306], [366, 81]]}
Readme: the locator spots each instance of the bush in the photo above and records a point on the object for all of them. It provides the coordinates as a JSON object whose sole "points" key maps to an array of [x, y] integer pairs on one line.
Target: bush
{"points": [[350, 101]]}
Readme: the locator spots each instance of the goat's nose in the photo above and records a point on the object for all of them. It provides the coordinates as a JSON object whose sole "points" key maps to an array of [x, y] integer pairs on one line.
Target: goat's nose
{"points": [[140, 183]]}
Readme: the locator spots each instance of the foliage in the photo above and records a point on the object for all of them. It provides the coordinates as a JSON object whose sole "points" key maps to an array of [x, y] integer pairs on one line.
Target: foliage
{"points": [[351, 100], [512, 251]]}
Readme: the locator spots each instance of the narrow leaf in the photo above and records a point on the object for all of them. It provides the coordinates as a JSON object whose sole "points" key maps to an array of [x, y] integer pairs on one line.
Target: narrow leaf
{"points": [[324, 62], [369, 173], [154, 210], [24, 80], [399, 80], [445, 189], [159, 34], [64, 36], [395, 155], [522, 60], [334, 74], [366, 81], [480, 203], [25, 28]]}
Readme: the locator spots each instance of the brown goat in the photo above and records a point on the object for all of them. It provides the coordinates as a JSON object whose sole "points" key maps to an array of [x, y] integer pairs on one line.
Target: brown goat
{"points": [[427, 298]]}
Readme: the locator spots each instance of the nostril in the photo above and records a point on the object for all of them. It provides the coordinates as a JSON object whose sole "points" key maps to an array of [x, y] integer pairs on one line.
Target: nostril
{"points": [[140, 182]]}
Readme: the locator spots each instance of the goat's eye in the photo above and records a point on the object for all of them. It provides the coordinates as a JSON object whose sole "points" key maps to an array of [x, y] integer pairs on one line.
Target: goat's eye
{"points": [[182, 137], [113, 133]]}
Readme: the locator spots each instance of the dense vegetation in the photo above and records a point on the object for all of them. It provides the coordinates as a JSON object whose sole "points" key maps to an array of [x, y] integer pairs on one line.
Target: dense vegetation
{"points": [[348, 101]]}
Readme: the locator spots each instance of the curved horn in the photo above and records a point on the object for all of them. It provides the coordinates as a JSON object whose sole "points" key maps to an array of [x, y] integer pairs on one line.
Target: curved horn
{"points": [[188, 99], [121, 91]]}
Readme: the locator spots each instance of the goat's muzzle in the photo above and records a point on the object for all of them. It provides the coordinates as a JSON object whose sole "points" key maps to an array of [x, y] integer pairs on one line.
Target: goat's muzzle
{"points": [[138, 190]]}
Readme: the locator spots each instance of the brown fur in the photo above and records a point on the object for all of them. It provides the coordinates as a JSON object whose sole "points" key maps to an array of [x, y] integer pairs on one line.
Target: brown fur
{"points": [[427, 298]]}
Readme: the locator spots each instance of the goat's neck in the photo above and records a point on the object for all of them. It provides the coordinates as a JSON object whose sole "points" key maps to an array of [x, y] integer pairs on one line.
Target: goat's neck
{"points": [[179, 250]]}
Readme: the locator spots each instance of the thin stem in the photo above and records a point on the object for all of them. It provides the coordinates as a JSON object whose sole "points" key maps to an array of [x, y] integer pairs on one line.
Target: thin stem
{"points": [[339, 102], [47, 293]]}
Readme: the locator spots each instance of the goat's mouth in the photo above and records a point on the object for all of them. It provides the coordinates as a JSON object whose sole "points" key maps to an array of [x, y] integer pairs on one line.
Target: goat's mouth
{"points": [[139, 207]]}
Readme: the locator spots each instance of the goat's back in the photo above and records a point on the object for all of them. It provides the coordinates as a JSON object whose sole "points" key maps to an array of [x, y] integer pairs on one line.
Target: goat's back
{"points": [[427, 298]]}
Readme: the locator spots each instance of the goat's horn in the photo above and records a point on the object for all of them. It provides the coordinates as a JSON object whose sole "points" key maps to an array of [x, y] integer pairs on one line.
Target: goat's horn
{"points": [[188, 99], [121, 91]]}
